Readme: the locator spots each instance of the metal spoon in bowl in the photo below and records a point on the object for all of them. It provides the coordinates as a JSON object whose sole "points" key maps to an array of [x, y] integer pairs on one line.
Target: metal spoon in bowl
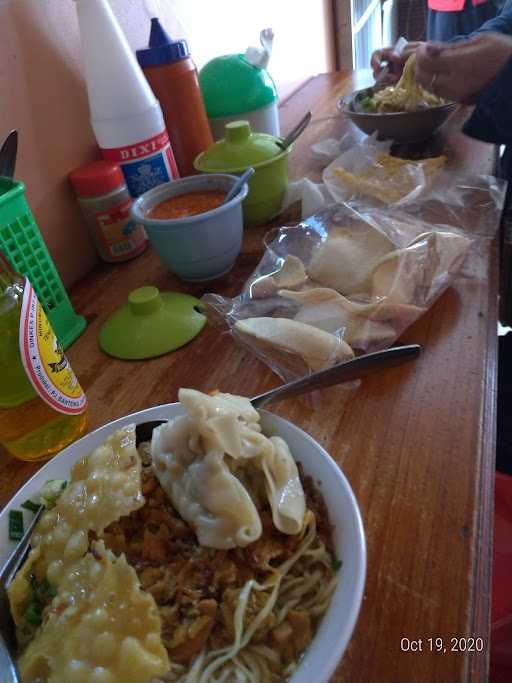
{"points": [[239, 184], [342, 372], [295, 132]]}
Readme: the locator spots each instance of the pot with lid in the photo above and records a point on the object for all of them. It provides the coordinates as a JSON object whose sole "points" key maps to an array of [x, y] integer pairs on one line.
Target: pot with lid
{"points": [[240, 149]]}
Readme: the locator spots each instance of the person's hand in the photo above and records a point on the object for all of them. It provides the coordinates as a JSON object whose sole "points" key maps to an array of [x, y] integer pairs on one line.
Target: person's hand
{"points": [[396, 61], [461, 71]]}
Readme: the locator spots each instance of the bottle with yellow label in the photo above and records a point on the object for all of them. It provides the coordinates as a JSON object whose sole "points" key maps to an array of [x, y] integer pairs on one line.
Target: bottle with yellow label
{"points": [[42, 406]]}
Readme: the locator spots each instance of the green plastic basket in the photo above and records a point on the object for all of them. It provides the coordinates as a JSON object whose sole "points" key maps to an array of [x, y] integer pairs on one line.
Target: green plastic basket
{"points": [[23, 245]]}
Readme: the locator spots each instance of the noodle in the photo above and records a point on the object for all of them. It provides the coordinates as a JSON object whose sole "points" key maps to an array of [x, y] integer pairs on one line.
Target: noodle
{"points": [[298, 580], [406, 96], [240, 641]]}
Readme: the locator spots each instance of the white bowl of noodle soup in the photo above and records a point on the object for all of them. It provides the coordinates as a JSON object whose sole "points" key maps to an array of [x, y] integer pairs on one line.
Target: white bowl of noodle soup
{"points": [[334, 632]]}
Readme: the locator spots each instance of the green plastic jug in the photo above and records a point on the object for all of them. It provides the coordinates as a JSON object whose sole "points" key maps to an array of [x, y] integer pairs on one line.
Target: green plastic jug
{"points": [[239, 87]]}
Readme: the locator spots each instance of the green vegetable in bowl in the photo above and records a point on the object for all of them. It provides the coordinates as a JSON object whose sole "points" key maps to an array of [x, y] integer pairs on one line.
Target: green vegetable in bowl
{"points": [[15, 525], [30, 506], [41, 594], [51, 492], [47, 496], [369, 105]]}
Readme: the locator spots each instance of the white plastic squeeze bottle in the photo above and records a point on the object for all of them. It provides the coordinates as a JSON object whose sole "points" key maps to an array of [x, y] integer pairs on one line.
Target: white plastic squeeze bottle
{"points": [[125, 115]]}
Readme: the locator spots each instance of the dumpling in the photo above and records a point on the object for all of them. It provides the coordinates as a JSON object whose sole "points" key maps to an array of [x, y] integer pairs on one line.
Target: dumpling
{"points": [[363, 326], [215, 491], [202, 406], [317, 348], [451, 249], [284, 489], [345, 262], [415, 274], [291, 275], [226, 423], [402, 275], [202, 488]]}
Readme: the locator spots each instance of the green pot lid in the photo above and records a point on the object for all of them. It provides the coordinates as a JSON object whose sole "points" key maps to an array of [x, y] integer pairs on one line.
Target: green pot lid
{"points": [[231, 86], [239, 149], [151, 324]]}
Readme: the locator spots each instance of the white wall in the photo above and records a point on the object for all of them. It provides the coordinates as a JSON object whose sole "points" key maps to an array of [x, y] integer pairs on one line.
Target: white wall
{"points": [[302, 43], [43, 93]]}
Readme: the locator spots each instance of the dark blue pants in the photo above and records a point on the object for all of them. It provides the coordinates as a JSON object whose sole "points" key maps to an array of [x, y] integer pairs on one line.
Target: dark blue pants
{"points": [[444, 26]]}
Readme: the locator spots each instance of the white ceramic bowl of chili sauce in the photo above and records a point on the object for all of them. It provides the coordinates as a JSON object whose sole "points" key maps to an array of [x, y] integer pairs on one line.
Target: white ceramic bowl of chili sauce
{"points": [[196, 236]]}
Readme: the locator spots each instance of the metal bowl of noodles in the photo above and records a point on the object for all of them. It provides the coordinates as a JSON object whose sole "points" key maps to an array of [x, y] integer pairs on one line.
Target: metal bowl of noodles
{"points": [[401, 127]]}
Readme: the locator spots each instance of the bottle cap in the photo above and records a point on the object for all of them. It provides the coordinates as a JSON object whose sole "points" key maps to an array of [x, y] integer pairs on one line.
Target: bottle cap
{"points": [[96, 178], [162, 49]]}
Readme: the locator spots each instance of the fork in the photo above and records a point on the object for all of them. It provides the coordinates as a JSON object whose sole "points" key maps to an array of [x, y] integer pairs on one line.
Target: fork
{"points": [[7, 626]]}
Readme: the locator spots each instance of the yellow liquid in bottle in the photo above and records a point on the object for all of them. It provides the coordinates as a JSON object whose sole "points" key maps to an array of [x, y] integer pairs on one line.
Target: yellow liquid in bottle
{"points": [[30, 429], [34, 431]]}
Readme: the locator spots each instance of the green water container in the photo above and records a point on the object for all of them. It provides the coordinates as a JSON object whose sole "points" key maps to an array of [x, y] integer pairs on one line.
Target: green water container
{"points": [[23, 245], [235, 89]]}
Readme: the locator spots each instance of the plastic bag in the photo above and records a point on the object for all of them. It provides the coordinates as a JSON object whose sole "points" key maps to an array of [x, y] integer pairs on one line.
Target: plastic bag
{"points": [[367, 170], [352, 277], [367, 173]]}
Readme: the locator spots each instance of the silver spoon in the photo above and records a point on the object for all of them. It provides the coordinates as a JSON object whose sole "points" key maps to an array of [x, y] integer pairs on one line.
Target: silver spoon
{"points": [[347, 371], [239, 184], [342, 372], [295, 132]]}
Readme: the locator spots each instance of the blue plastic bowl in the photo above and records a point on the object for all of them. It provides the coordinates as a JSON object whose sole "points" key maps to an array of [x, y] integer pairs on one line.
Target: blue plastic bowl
{"points": [[200, 247]]}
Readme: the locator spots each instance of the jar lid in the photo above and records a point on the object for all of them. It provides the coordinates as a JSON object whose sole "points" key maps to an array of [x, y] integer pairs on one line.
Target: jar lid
{"points": [[231, 86], [162, 49], [151, 323], [97, 178], [239, 149]]}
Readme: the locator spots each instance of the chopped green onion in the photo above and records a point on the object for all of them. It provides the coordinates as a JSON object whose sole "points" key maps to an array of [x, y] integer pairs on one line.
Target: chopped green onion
{"points": [[336, 564], [30, 505], [15, 525], [51, 492]]}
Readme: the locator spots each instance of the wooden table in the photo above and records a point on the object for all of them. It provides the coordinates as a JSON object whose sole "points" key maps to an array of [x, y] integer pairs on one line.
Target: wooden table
{"points": [[416, 443]]}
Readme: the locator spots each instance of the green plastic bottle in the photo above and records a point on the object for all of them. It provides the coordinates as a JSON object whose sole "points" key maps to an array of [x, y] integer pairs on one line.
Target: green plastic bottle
{"points": [[42, 406]]}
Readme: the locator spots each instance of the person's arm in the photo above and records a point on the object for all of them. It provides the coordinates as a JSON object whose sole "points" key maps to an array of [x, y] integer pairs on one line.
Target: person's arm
{"points": [[502, 23], [499, 24], [492, 119], [476, 71], [463, 71]]}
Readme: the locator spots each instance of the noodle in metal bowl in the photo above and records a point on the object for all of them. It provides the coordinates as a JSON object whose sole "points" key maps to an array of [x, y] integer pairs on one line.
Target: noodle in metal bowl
{"points": [[405, 112]]}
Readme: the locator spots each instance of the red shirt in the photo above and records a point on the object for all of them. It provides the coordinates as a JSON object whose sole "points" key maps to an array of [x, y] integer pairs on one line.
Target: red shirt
{"points": [[452, 5]]}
